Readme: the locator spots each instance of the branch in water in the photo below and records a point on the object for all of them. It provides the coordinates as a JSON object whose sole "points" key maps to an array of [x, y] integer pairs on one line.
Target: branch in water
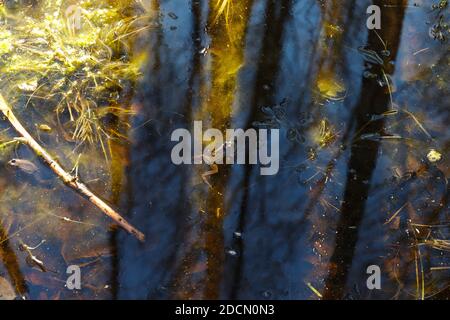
{"points": [[66, 177]]}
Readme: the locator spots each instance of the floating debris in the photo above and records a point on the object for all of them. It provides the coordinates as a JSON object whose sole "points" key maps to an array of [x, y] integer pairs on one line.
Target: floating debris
{"points": [[322, 134], [232, 252], [204, 51], [316, 292], [420, 51], [396, 213], [439, 30], [237, 234], [434, 156], [440, 6], [332, 30], [369, 75], [377, 117], [378, 137], [173, 15], [44, 128], [31, 259], [266, 294], [385, 53]]}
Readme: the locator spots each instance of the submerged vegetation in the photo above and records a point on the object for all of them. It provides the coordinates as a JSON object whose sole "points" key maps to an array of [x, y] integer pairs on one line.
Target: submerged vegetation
{"points": [[364, 149], [75, 61]]}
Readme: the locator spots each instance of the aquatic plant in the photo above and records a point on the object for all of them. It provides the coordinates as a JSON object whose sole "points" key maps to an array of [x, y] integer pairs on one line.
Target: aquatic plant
{"points": [[74, 61]]}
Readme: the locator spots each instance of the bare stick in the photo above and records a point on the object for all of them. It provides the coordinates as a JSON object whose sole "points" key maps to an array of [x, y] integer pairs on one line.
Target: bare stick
{"points": [[66, 177]]}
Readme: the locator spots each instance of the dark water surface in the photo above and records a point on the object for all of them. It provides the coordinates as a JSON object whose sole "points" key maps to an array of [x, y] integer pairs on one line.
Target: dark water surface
{"points": [[355, 188]]}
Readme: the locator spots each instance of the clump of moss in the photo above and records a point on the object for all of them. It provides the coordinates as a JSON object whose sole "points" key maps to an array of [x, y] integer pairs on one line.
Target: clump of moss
{"points": [[73, 60]]}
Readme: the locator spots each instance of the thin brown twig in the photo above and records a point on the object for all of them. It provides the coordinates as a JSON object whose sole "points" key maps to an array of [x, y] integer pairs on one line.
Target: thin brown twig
{"points": [[68, 179]]}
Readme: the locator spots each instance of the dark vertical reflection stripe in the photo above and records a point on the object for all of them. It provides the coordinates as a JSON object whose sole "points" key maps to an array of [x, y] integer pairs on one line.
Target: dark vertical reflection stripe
{"points": [[277, 17], [373, 100]]}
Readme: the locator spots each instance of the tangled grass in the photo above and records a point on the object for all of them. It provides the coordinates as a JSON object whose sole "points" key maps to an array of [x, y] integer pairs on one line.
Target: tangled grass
{"points": [[75, 61]]}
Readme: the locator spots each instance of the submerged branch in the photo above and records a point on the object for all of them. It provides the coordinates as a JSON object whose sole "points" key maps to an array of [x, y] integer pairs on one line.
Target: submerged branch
{"points": [[63, 175]]}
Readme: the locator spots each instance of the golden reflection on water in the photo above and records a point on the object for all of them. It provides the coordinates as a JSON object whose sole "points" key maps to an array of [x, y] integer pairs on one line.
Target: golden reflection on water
{"points": [[227, 24]]}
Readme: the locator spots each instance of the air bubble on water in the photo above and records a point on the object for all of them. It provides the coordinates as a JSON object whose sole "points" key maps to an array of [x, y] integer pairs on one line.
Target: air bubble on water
{"points": [[232, 253]]}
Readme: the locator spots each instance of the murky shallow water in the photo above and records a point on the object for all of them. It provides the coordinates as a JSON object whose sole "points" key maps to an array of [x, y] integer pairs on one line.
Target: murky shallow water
{"points": [[355, 186]]}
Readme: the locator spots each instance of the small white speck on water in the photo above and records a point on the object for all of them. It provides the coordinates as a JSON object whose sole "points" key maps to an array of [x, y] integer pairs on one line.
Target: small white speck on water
{"points": [[232, 252]]}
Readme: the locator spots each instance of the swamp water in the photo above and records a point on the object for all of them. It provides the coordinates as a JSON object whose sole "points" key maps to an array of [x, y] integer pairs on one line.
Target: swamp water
{"points": [[364, 149]]}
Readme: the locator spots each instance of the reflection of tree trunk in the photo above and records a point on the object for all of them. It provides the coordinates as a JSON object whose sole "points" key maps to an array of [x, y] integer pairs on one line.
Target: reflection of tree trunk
{"points": [[373, 100], [333, 18], [9, 258], [227, 30], [330, 55], [196, 61], [225, 71], [195, 72], [277, 13], [119, 155]]}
